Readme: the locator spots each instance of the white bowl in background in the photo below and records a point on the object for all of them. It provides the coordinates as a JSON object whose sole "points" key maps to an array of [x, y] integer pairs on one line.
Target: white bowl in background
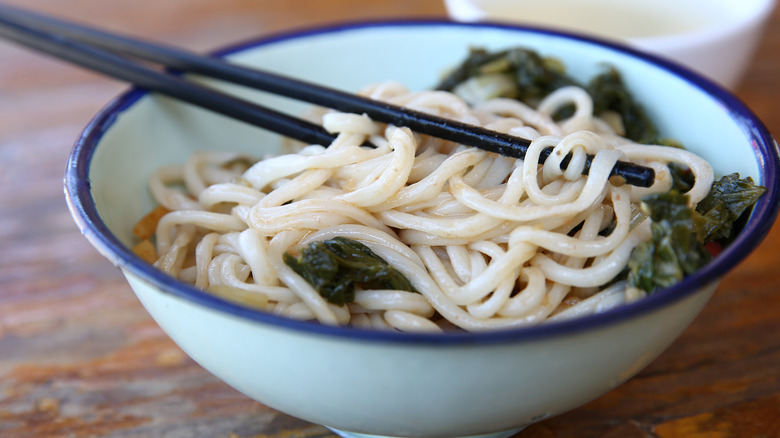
{"points": [[389, 383], [716, 38]]}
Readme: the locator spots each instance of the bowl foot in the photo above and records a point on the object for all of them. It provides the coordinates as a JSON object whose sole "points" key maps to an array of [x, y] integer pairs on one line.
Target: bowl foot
{"points": [[502, 434]]}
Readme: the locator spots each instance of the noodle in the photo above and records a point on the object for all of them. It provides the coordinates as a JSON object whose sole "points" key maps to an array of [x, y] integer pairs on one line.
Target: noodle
{"points": [[487, 241]]}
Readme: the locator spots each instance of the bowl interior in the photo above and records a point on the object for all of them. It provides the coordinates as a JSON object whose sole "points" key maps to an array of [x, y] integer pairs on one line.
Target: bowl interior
{"points": [[139, 133]]}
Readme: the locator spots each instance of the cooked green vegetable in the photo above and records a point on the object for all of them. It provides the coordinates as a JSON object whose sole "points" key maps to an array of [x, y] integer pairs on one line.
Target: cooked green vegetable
{"points": [[680, 233], [609, 93], [728, 199], [533, 76], [673, 252], [335, 266], [527, 76], [682, 177]]}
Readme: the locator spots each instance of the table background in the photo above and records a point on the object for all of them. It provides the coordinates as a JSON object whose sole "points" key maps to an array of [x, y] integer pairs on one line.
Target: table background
{"points": [[80, 357]]}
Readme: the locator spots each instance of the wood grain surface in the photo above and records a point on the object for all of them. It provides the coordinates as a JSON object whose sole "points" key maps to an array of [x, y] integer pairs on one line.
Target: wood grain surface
{"points": [[80, 357]]}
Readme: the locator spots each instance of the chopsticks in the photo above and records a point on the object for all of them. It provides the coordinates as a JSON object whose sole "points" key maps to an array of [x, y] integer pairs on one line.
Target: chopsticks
{"points": [[111, 55]]}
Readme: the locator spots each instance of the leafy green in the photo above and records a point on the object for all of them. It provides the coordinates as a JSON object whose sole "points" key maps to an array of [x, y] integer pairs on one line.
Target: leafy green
{"points": [[479, 89], [484, 73], [534, 76], [335, 266], [728, 199], [609, 93], [478, 62], [680, 234], [673, 251], [682, 177]]}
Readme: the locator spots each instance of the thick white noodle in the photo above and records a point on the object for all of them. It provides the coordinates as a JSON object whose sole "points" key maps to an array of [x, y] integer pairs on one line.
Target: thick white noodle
{"points": [[486, 241]]}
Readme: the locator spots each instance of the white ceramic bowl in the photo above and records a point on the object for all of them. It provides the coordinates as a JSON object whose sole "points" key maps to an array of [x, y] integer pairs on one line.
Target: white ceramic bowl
{"points": [[714, 37], [393, 384]]}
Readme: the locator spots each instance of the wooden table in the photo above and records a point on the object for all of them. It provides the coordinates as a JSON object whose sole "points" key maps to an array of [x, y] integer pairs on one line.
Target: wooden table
{"points": [[80, 357]]}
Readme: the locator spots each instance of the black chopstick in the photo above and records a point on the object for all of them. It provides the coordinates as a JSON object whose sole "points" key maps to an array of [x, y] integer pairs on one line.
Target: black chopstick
{"points": [[99, 50], [174, 86]]}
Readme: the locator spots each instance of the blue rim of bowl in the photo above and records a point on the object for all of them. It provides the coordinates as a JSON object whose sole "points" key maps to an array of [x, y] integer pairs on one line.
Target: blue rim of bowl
{"points": [[84, 210]]}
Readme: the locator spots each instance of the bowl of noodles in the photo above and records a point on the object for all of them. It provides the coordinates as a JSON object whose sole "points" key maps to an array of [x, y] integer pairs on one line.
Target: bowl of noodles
{"points": [[395, 284]]}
